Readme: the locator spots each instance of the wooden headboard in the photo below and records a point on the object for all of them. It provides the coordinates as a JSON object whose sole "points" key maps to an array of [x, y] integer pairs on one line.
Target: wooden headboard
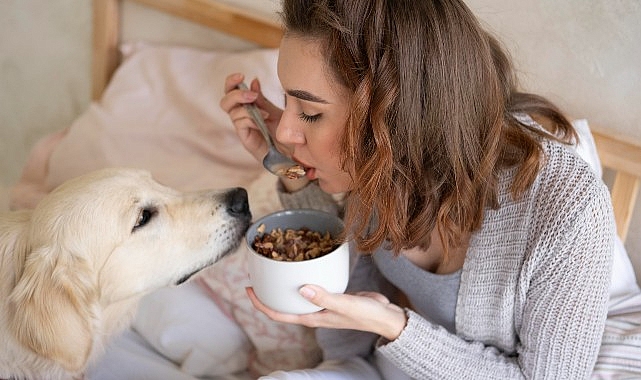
{"points": [[621, 156]]}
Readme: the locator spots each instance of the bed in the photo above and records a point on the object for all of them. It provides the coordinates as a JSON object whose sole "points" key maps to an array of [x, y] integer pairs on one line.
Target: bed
{"points": [[156, 107]]}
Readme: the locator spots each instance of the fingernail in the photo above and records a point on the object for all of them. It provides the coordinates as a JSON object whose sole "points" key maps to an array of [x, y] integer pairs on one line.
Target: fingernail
{"points": [[307, 292], [251, 96]]}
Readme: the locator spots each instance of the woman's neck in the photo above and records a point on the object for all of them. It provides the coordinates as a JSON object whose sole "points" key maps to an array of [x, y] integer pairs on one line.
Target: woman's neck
{"points": [[433, 259]]}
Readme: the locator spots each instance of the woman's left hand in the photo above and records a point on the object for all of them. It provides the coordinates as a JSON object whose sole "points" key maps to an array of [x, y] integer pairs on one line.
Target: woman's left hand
{"points": [[365, 311]]}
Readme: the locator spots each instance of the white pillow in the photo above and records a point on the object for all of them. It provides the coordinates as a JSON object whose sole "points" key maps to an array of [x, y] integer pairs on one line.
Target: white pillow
{"points": [[624, 282]]}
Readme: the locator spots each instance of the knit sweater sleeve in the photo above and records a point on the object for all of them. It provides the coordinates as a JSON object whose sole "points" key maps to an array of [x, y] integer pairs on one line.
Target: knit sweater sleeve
{"points": [[559, 309], [310, 196]]}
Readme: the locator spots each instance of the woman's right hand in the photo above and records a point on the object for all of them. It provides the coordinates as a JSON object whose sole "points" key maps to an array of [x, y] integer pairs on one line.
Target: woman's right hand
{"points": [[246, 129]]}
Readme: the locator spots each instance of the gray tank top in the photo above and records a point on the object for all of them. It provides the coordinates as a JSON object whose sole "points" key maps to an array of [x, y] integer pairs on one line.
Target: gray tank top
{"points": [[432, 295]]}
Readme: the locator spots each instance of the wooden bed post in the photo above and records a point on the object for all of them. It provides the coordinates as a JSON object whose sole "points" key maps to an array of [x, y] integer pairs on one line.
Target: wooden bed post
{"points": [[624, 158], [105, 53], [624, 195]]}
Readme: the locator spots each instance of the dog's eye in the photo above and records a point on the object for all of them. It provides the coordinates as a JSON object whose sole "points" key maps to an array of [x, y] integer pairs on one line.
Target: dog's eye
{"points": [[144, 217]]}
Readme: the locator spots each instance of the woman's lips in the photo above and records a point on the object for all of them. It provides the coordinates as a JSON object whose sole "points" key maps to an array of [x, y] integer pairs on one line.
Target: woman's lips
{"points": [[310, 173], [307, 168]]}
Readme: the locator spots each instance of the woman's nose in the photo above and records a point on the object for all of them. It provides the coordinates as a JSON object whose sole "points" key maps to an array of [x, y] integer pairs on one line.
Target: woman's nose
{"points": [[288, 133]]}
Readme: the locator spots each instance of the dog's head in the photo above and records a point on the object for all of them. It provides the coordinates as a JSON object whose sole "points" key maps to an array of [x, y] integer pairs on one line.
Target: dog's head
{"points": [[107, 238]]}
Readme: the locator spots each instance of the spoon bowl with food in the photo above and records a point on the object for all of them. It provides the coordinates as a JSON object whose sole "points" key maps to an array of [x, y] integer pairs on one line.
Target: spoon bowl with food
{"points": [[274, 161]]}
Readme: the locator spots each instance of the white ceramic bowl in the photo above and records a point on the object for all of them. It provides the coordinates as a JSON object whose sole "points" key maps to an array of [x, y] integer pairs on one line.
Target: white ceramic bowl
{"points": [[276, 283]]}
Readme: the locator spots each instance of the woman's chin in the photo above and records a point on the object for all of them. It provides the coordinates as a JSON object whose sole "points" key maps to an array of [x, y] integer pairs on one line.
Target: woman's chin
{"points": [[332, 187]]}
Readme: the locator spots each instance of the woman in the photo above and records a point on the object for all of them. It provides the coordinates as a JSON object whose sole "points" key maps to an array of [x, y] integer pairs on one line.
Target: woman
{"points": [[496, 233]]}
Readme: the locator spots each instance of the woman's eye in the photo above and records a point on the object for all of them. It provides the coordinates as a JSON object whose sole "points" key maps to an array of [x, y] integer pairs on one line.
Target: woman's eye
{"points": [[309, 118], [144, 217]]}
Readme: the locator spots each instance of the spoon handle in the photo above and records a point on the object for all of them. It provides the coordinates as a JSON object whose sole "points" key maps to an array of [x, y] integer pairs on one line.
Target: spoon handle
{"points": [[256, 116]]}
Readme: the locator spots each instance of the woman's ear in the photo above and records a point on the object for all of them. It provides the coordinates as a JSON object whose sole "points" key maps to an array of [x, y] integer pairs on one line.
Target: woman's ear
{"points": [[50, 307]]}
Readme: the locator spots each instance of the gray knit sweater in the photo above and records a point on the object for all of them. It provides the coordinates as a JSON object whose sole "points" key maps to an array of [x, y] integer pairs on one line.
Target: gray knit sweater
{"points": [[533, 296]]}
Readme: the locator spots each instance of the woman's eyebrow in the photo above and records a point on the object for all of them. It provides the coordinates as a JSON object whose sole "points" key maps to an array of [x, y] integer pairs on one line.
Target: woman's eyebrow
{"points": [[304, 95]]}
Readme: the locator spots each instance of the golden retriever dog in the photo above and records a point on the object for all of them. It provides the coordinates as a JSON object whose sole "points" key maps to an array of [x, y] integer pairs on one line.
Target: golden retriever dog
{"points": [[74, 268]]}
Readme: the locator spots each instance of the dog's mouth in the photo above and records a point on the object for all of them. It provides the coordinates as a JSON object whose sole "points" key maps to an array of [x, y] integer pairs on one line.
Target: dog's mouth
{"points": [[237, 239], [186, 277]]}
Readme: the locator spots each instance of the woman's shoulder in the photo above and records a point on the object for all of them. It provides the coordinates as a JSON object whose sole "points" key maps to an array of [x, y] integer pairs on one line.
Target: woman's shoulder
{"points": [[563, 170], [565, 187], [567, 193]]}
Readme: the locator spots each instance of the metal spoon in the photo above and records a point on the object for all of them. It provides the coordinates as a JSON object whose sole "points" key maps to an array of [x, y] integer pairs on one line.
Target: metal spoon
{"points": [[274, 161]]}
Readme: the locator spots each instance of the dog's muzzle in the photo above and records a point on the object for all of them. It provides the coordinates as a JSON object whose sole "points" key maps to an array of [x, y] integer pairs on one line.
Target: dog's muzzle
{"points": [[237, 206]]}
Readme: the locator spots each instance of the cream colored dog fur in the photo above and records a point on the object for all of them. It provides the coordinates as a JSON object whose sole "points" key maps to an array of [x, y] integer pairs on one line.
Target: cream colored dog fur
{"points": [[73, 270]]}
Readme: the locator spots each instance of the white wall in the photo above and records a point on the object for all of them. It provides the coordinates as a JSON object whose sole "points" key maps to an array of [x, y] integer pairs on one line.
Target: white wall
{"points": [[585, 55]]}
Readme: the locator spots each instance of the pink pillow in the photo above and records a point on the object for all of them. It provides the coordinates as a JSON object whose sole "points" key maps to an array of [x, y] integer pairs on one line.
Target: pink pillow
{"points": [[161, 112]]}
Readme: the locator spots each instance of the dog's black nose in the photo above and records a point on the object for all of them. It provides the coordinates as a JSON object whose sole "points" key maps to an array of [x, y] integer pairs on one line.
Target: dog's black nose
{"points": [[237, 203]]}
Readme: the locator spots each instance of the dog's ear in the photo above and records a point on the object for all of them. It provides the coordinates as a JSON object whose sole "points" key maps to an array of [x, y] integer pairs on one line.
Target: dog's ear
{"points": [[15, 243], [51, 307]]}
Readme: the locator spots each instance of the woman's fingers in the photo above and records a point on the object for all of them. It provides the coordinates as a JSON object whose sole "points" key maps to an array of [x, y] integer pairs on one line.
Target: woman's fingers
{"points": [[232, 81], [366, 311], [233, 103], [236, 97], [339, 302], [338, 309], [272, 314]]}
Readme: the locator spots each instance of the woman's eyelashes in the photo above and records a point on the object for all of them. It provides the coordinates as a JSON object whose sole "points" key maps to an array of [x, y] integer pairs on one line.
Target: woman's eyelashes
{"points": [[302, 115], [309, 118]]}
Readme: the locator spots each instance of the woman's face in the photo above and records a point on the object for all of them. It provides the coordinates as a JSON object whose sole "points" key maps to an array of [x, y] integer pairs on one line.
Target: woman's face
{"points": [[316, 110]]}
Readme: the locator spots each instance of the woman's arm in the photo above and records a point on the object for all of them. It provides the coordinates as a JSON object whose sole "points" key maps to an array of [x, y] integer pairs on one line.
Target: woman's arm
{"points": [[559, 325]]}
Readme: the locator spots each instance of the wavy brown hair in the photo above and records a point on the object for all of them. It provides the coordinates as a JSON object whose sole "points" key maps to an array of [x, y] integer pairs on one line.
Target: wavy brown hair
{"points": [[432, 115]]}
